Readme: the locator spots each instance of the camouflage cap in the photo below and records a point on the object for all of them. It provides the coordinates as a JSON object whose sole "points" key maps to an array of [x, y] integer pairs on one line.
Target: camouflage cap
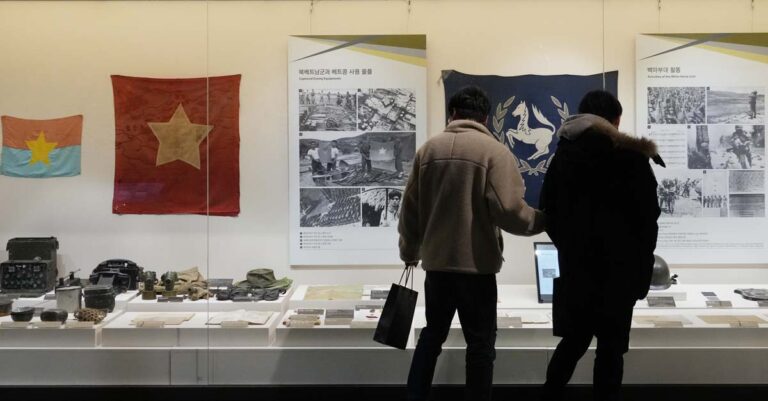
{"points": [[264, 278]]}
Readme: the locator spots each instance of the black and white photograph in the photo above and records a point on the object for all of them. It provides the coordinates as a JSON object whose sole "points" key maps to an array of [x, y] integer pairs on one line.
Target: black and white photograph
{"points": [[679, 192], [386, 110], [330, 207], [714, 195], [747, 205], [734, 105], [381, 206], [327, 110], [729, 147], [676, 105], [746, 181], [369, 159]]}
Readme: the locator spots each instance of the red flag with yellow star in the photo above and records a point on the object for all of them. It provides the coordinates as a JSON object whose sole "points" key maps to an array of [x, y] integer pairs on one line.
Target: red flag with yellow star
{"points": [[177, 145]]}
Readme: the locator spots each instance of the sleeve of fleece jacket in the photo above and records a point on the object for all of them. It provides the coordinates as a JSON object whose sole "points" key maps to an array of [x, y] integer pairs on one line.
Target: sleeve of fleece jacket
{"points": [[408, 227], [504, 191]]}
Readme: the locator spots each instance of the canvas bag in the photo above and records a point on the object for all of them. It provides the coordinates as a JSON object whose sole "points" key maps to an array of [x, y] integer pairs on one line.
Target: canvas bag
{"points": [[394, 326]]}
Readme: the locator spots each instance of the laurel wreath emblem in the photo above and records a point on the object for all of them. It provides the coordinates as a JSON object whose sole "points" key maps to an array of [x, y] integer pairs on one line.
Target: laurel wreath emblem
{"points": [[498, 131]]}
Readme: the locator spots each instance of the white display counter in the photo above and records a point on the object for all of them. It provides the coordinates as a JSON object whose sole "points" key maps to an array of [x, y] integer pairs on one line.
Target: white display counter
{"points": [[682, 346]]}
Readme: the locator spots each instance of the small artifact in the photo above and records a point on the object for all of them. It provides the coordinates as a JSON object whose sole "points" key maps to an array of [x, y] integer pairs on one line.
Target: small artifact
{"points": [[5, 307], [753, 294], [69, 298], [149, 289], [661, 279], [169, 280], [70, 281], [149, 275], [90, 315], [54, 315], [23, 314], [170, 299], [100, 297]]}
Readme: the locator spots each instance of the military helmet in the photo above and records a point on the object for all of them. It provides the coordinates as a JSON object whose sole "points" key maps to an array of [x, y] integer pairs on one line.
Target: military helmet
{"points": [[661, 279]]}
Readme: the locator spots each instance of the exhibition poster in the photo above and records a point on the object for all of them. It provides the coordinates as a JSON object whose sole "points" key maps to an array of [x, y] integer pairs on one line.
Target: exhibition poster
{"points": [[527, 111], [177, 145], [41, 148], [356, 115], [701, 98]]}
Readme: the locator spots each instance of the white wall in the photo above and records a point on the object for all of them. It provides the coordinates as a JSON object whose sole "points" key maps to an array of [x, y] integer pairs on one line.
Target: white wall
{"points": [[56, 58]]}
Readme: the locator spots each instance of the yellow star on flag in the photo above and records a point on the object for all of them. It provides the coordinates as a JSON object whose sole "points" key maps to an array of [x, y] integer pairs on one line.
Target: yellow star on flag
{"points": [[179, 139], [41, 149]]}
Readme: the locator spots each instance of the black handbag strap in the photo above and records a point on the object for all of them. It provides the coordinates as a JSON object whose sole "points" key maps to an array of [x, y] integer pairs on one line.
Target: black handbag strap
{"points": [[408, 274]]}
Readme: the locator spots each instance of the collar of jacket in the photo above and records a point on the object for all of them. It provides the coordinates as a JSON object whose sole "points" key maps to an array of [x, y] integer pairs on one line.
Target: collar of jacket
{"points": [[467, 126], [574, 126]]}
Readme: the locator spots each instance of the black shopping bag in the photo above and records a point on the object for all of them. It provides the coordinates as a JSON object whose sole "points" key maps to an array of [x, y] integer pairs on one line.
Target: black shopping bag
{"points": [[397, 316]]}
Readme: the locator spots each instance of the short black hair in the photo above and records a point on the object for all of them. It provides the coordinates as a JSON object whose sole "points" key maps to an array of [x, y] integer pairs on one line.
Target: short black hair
{"points": [[469, 103], [601, 103]]}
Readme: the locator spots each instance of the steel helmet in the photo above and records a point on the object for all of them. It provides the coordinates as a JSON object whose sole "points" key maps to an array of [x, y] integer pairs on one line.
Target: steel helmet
{"points": [[661, 279]]}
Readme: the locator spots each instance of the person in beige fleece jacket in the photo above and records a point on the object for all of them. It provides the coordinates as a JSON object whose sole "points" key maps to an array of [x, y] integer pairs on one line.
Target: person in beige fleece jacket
{"points": [[464, 187]]}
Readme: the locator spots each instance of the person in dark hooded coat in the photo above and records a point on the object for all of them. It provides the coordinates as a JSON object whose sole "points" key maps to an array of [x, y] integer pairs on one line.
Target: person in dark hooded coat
{"points": [[599, 196]]}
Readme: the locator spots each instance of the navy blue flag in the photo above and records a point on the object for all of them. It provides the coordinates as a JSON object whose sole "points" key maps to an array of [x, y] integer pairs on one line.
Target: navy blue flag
{"points": [[527, 111]]}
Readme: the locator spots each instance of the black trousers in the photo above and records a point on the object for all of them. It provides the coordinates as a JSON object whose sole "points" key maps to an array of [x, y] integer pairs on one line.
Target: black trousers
{"points": [[610, 325], [474, 296]]}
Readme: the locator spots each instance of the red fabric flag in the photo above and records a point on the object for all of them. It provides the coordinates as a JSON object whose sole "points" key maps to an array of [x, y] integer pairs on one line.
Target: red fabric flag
{"points": [[177, 145]]}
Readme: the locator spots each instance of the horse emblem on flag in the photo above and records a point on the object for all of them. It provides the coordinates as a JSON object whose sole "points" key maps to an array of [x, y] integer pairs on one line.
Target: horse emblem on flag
{"points": [[527, 111], [541, 136]]}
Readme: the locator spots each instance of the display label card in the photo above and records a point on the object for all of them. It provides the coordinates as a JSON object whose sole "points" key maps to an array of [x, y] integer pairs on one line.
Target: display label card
{"points": [[701, 98], [310, 312], [661, 302], [357, 112], [368, 306], [379, 294], [719, 304]]}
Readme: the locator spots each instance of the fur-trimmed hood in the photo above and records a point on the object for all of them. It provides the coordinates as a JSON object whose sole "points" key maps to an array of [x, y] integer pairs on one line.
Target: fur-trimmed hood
{"points": [[574, 126]]}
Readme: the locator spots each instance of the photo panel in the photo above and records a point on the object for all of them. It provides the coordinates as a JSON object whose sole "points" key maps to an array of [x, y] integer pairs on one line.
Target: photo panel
{"points": [[699, 148], [676, 105], [330, 207], [386, 109], [381, 206], [349, 160], [734, 147], [746, 205], [680, 192], [735, 105], [746, 181], [327, 110], [714, 194]]}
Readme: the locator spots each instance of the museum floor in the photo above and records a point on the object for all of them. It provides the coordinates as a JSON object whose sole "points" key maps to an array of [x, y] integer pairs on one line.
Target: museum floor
{"points": [[370, 393]]}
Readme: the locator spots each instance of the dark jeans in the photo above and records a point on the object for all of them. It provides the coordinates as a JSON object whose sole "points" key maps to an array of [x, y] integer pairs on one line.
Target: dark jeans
{"points": [[611, 328], [474, 296]]}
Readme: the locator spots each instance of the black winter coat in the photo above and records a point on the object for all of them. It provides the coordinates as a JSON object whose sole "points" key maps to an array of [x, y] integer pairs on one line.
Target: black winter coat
{"points": [[599, 196]]}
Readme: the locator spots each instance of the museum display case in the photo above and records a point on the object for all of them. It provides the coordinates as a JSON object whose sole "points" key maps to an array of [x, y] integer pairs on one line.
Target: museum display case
{"points": [[207, 192]]}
